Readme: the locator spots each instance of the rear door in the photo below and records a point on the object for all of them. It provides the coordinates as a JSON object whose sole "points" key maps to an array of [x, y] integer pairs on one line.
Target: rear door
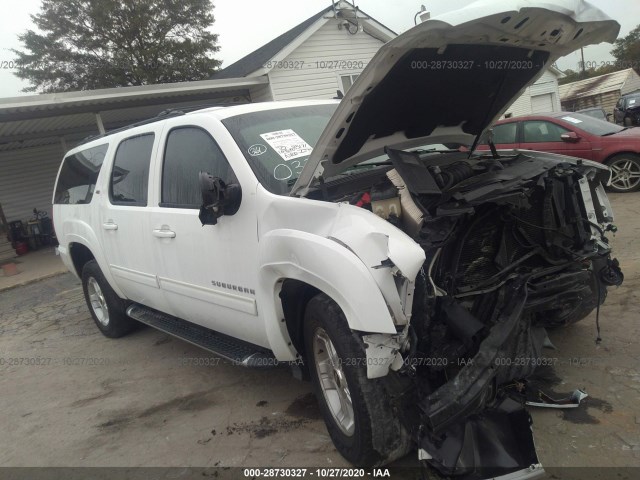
{"points": [[546, 136], [124, 219]]}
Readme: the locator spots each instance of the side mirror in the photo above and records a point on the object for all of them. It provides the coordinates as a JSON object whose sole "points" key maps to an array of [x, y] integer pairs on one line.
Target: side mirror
{"points": [[218, 198], [570, 137]]}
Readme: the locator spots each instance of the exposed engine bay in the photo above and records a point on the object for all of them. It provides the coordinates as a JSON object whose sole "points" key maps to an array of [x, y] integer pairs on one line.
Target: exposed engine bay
{"points": [[514, 245]]}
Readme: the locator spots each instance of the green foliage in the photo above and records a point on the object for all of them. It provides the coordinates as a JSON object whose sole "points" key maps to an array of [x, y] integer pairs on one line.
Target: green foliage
{"points": [[627, 50], [90, 44]]}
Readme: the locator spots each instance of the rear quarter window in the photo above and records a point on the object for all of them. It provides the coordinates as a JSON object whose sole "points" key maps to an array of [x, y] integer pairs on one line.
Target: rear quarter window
{"points": [[78, 176]]}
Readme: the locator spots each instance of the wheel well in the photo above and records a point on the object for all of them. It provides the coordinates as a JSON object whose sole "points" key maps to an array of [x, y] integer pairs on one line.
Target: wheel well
{"points": [[613, 155], [80, 256], [294, 296]]}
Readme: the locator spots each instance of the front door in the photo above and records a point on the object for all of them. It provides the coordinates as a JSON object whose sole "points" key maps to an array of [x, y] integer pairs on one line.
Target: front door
{"points": [[208, 273], [546, 136]]}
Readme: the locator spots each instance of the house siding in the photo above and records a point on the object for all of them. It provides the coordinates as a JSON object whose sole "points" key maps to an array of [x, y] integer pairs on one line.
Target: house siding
{"points": [[27, 178], [261, 93], [309, 78], [631, 84], [545, 85]]}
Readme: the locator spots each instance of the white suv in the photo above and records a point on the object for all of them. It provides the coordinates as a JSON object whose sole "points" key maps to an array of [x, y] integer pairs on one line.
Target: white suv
{"points": [[408, 274]]}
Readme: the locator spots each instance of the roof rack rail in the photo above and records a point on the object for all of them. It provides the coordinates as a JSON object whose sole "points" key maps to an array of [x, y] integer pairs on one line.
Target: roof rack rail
{"points": [[168, 113]]}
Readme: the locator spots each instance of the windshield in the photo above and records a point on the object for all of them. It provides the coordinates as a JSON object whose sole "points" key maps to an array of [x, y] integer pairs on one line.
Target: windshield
{"points": [[632, 101], [590, 124], [277, 142]]}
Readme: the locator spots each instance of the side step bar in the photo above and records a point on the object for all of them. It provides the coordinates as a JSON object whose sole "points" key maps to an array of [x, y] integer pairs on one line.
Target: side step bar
{"points": [[237, 351]]}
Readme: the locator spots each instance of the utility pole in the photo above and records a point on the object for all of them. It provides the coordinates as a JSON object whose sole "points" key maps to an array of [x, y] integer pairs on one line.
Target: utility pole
{"points": [[582, 63]]}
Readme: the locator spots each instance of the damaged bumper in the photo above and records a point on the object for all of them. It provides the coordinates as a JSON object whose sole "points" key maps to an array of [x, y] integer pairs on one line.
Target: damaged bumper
{"points": [[472, 427]]}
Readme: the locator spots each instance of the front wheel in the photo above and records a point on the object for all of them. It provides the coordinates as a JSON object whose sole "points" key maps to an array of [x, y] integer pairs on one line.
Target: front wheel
{"points": [[107, 309], [357, 411], [625, 173]]}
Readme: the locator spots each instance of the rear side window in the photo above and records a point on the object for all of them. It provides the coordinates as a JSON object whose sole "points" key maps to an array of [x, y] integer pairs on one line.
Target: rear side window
{"points": [[77, 179], [130, 174], [189, 151]]}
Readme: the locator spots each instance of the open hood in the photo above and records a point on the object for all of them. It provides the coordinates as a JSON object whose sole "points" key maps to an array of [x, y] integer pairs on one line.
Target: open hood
{"points": [[449, 78]]}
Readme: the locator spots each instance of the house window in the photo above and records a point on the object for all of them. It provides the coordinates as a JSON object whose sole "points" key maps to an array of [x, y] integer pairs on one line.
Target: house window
{"points": [[347, 81]]}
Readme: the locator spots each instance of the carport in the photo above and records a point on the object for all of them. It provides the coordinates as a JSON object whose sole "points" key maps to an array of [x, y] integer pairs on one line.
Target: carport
{"points": [[35, 131]]}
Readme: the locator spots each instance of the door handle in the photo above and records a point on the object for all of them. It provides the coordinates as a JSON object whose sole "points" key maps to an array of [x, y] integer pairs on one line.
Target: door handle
{"points": [[110, 226], [164, 234]]}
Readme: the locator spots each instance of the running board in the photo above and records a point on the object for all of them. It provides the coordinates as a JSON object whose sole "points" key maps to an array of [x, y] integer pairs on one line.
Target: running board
{"points": [[232, 349]]}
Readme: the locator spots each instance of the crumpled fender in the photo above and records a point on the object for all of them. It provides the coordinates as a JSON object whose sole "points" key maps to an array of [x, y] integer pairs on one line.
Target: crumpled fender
{"points": [[375, 241], [327, 265]]}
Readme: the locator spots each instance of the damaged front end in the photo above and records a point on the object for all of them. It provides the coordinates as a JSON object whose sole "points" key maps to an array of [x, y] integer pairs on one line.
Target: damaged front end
{"points": [[513, 245]]}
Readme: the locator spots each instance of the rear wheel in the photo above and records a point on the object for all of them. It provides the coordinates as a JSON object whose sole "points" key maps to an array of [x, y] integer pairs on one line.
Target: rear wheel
{"points": [[625, 173], [357, 411], [107, 309]]}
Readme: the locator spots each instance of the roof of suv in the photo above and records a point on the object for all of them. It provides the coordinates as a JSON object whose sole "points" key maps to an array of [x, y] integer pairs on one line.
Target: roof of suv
{"points": [[218, 112]]}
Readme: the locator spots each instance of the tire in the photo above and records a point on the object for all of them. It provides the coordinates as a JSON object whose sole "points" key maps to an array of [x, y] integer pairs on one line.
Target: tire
{"points": [[625, 173], [371, 434], [627, 122], [107, 309]]}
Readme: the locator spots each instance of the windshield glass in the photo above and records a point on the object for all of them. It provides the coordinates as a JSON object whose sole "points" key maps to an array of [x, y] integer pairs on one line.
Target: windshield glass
{"points": [[590, 124], [632, 101], [277, 142]]}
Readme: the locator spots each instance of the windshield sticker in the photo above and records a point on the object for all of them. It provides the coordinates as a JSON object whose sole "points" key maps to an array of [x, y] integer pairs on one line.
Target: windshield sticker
{"points": [[632, 101], [257, 149], [287, 143], [572, 120]]}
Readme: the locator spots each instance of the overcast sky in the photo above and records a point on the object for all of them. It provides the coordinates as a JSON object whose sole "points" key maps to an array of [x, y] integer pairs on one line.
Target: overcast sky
{"points": [[244, 25]]}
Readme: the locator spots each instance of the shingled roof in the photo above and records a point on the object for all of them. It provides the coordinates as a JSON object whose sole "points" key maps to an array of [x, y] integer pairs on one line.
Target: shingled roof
{"points": [[256, 59]]}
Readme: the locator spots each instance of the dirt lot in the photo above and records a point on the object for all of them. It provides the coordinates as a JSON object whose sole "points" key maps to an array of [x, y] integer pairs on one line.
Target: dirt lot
{"points": [[151, 400]]}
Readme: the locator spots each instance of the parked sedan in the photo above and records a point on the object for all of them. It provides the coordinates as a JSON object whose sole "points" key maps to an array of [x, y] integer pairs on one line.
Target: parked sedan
{"points": [[577, 135]]}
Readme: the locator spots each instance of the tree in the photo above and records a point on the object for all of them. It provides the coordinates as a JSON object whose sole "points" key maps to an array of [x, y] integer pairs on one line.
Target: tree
{"points": [[89, 44], [627, 50]]}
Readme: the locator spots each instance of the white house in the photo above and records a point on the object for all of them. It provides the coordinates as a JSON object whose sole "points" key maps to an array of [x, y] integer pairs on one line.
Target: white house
{"points": [[541, 97], [327, 51], [316, 58]]}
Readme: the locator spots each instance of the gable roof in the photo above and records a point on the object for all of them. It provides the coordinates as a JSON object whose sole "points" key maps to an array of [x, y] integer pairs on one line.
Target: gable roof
{"points": [[609, 82], [258, 58]]}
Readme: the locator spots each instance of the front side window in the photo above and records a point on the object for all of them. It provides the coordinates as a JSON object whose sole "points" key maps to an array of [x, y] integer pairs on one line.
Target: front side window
{"points": [[539, 131], [505, 133], [130, 174], [277, 142], [189, 151], [78, 176]]}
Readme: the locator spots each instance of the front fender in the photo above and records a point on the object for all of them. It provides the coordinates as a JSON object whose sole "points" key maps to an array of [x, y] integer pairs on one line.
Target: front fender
{"points": [[326, 265]]}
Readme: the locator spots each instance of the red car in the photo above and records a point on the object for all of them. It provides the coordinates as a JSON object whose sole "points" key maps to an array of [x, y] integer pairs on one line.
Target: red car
{"points": [[576, 135]]}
